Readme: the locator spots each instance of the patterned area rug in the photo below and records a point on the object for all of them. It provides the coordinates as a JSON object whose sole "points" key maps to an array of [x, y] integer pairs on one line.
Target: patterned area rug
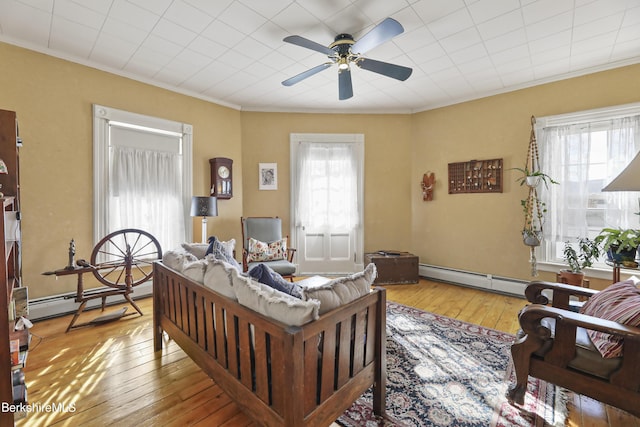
{"points": [[444, 372]]}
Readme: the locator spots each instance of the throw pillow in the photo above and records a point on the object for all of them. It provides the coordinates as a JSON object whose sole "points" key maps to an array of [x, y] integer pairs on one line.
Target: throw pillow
{"points": [[261, 251], [275, 304], [343, 290], [176, 259], [221, 277], [195, 270], [200, 249], [197, 249], [620, 303], [265, 274], [218, 250]]}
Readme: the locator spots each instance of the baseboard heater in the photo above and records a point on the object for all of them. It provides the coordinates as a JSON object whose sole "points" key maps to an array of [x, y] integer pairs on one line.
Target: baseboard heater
{"points": [[60, 305], [490, 282]]}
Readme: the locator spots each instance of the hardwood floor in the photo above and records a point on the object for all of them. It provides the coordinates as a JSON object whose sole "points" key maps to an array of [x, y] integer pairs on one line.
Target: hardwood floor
{"points": [[109, 375]]}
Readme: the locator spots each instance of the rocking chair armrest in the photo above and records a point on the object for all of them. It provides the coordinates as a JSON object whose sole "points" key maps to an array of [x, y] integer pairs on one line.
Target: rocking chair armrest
{"points": [[561, 293], [245, 253], [290, 253], [531, 316]]}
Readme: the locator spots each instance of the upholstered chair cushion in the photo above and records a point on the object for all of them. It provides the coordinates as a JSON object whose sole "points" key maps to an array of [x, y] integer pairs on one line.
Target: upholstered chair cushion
{"points": [[620, 303]]}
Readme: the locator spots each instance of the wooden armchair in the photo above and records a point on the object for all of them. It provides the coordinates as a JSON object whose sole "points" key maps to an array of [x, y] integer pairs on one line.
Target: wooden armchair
{"points": [[554, 346]]}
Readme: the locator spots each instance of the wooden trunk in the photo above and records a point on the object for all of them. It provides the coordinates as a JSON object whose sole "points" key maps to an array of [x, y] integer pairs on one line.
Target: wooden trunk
{"points": [[394, 267]]}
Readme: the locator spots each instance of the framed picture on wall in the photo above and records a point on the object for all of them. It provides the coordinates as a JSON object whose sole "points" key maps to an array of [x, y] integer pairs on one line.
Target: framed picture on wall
{"points": [[268, 176]]}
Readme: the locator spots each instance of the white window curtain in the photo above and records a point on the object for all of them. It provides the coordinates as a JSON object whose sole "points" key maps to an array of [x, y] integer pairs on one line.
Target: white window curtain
{"points": [[583, 158], [142, 175], [146, 193], [327, 186]]}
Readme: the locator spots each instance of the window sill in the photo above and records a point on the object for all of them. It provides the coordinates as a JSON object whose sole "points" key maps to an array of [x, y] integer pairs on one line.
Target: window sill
{"points": [[596, 273]]}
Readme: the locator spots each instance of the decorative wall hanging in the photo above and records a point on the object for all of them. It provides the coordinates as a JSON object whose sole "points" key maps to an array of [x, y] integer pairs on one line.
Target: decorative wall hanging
{"points": [[428, 183], [476, 176]]}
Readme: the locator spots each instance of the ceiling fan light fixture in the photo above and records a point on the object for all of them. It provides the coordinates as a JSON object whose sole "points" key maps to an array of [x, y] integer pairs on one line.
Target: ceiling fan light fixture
{"points": [[343, 64]]}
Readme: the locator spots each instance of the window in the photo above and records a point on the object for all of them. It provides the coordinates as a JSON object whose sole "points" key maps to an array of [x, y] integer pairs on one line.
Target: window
{"points": [[142, 175], [584, 151]]}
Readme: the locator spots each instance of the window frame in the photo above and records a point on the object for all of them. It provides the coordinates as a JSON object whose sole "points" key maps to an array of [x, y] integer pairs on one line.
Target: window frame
{"points": [[101, 117], [576, 118]]}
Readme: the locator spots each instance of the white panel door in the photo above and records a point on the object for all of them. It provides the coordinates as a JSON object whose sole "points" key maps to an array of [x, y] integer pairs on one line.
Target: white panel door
{"points": [[327, 178]]}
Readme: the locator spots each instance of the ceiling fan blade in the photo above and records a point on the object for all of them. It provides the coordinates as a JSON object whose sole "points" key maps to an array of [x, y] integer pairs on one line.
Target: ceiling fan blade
{"points": [[345, 88], [386, 30], [390, 70], [309, 44], [310, 72]]}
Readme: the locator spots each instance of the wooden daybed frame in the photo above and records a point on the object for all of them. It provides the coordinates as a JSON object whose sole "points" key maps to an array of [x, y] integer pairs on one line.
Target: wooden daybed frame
{"points": [[279, 375]]}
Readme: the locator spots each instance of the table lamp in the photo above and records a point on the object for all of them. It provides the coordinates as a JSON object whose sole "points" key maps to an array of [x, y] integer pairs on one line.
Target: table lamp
{"points": [[204, 207], [629, 178]]}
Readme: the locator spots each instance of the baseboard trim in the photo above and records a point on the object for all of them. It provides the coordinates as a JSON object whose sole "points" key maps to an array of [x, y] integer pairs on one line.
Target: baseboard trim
{"points": [[63, 304], [489, 282]]}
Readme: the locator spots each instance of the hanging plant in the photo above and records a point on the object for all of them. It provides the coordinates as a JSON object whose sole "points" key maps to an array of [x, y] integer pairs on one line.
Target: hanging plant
{"points": [[534, 209]]}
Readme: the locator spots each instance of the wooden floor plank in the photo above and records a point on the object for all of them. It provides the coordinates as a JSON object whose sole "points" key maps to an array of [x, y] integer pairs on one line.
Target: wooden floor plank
{"points": [[112, 376]]}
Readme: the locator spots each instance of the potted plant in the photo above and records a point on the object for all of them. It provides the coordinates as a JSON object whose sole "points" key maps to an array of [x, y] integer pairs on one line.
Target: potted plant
{"points": [[534, 210], [621, 245], [587, 252], [533, 178]]}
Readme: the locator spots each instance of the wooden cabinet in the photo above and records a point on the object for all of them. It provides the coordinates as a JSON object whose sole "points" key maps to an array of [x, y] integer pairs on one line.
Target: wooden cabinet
{"points": [[11, 377]]}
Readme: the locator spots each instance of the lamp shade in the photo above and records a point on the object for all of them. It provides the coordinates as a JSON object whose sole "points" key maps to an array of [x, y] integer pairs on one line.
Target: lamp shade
{"points": [[3, 167], [629, 178], [204, 206]]}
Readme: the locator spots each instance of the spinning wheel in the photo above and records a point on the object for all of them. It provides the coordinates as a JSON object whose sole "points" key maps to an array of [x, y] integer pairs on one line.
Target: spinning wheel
{"points": [[125, 257], [121, 260]]}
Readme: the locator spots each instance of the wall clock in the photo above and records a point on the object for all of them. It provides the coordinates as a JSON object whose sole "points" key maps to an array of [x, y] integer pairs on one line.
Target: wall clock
{"points": [[221, 177]]}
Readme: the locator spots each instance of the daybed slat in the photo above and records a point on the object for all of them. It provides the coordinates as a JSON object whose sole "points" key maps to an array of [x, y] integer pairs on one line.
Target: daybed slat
{"points": [[344, 353], [209, 323], [184, 309], [370, 353], [311, 373], [221, 342], [192, 314], [232, 344], [359, 342], [173, 314], [166, 304], [261, 370], [244, 350], [278, 375], [328, 363], [201, 325]]}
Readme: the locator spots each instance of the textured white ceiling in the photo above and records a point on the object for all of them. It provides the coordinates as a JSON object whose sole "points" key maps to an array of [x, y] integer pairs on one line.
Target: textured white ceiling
{"points": [[231, 51]]}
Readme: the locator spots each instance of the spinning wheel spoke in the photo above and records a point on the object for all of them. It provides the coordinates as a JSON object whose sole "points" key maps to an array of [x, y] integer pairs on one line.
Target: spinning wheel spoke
{"points": [[125, 257]]}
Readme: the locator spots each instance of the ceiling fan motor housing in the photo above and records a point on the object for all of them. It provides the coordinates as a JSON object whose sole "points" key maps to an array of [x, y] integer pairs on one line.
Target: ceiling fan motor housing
{"points": [[342, 44]]}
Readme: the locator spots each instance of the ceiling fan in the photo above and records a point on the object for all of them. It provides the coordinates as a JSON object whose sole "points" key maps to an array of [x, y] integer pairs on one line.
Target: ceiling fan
{"points": [[345, 51]]}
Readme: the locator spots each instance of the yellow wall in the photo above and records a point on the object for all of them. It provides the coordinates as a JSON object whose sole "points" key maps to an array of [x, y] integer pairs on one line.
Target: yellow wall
{"points": [[481, 232], [387, 187], [53, 100], [474, 232]]}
